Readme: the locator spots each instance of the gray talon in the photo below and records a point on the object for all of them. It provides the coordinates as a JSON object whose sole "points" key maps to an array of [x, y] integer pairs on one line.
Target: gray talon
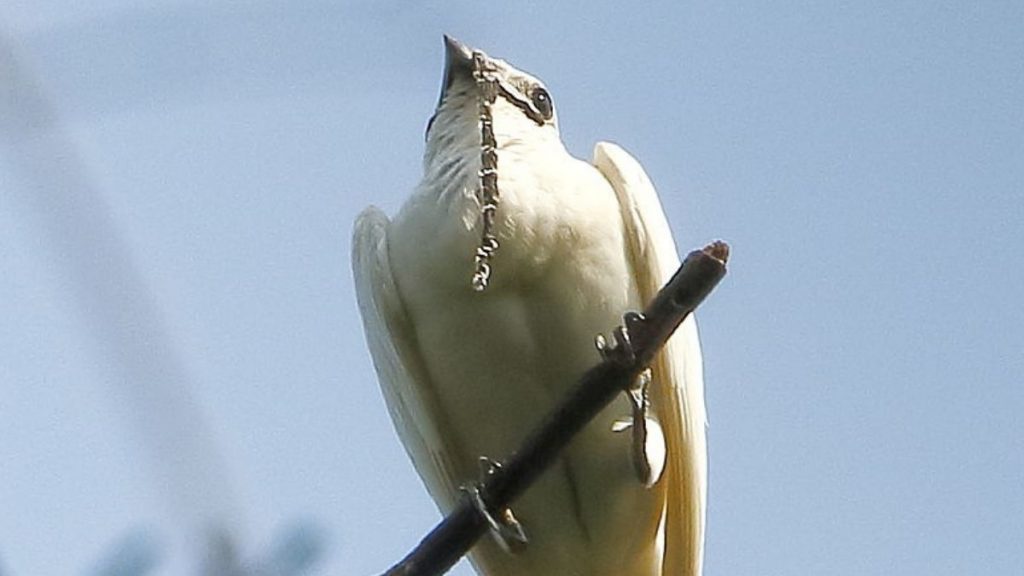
{"points": [[622, 348], [619, 349], [640, 403], [504, 527], [622, 351]]}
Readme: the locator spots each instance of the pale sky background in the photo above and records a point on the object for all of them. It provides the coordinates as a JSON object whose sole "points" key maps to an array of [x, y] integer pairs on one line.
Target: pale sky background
{"points": [[179, 337]]}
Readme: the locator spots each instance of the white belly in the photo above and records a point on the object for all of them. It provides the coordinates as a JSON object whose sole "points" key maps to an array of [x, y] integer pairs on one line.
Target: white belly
{"points": [[500, 360]]}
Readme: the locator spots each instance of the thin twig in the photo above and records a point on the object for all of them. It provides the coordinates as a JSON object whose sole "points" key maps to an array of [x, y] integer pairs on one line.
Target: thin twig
{"points": [[453, 537]]}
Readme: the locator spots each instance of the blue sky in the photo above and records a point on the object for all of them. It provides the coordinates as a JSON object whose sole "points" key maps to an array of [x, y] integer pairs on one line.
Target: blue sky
{"points": [[180, 339]]}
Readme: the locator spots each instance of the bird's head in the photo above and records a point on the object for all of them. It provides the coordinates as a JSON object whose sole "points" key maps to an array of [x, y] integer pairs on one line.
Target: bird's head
{"points": [[523, 112]]}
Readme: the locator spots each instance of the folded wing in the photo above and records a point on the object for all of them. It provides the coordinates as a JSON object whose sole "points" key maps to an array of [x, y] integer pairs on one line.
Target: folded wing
{"points": [[677, 390], [403, 377]]}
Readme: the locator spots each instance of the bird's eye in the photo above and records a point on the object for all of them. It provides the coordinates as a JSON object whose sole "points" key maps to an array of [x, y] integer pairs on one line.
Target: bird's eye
{"points": [[542, 102]]}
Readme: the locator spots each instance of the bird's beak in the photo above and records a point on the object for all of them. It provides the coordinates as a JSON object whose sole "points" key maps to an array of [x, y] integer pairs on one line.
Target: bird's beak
{"points": [[458, 62]]}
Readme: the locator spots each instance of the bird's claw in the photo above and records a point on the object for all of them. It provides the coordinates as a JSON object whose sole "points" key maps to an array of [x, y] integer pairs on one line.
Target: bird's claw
{"points": [[503, 524], [637, 393], [621, 350], [640, 403]]}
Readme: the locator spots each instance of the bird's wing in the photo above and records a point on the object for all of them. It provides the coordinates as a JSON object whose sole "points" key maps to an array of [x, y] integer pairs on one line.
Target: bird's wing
{"points": [[400, 369], [677, 391]]}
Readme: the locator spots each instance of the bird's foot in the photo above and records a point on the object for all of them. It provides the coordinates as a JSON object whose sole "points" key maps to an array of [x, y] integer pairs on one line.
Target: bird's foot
{"points": [[621, 350], [503, 524], [639, 402]]}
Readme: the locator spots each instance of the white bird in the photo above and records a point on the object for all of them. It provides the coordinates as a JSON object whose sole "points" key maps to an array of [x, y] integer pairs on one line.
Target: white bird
{"points": [[469, 373]]}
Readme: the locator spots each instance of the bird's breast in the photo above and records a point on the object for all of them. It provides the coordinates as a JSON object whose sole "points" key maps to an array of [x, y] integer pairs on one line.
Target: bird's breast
{"points": [[500, 359]]}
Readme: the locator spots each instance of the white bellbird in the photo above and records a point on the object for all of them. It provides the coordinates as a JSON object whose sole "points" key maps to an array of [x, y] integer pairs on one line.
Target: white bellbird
{"points": [[468, 371]]}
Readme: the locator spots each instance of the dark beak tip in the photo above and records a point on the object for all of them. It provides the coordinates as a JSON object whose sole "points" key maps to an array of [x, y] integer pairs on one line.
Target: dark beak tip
{"points": [[458, 62], [456, 52]]}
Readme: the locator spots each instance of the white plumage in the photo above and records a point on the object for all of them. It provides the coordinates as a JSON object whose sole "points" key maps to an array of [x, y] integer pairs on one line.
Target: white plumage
{"points": [[468, 374]]}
